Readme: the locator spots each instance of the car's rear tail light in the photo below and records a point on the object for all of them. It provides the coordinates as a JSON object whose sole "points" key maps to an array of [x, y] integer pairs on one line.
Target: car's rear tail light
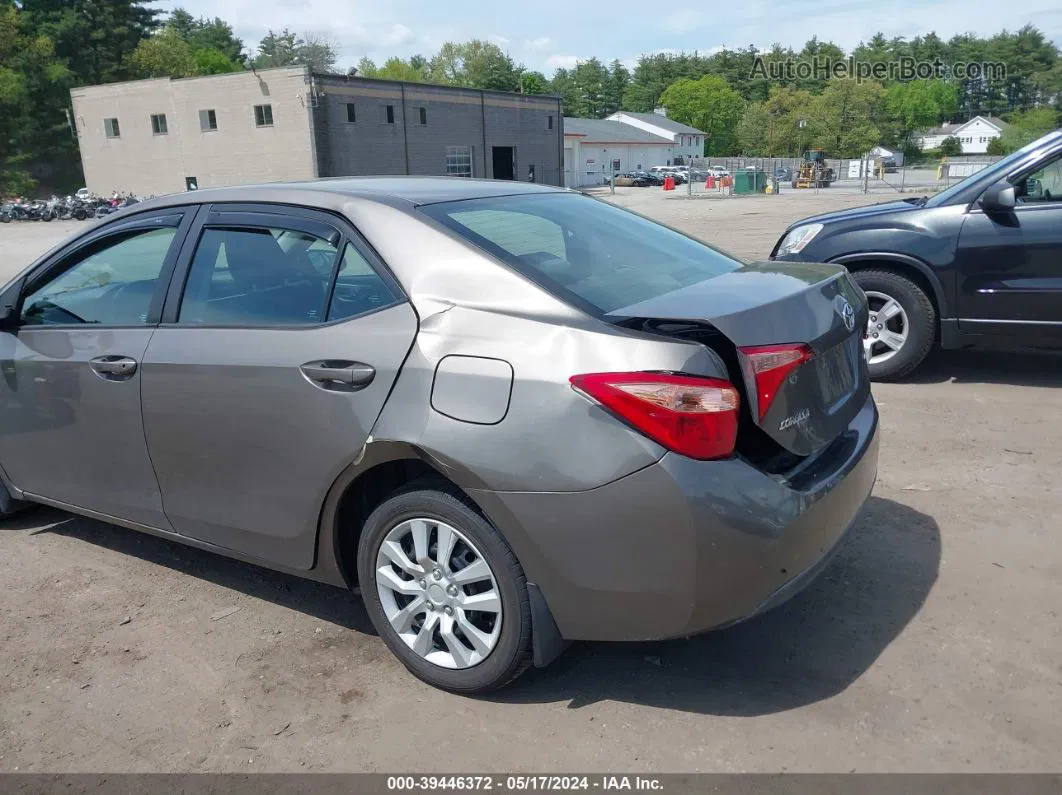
{"points": [[770, 364], [697, 417]]}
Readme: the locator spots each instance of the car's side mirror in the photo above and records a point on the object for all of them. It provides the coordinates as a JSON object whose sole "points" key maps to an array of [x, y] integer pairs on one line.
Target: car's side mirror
{"points": [[999, 198], [9, 316]]}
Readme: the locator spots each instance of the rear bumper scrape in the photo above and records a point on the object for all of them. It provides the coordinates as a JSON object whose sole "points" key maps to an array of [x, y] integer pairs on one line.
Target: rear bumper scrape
{"points": [[685, 546]]}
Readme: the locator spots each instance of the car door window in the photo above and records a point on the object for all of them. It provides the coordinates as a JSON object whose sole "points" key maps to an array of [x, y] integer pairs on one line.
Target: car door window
{"points": [[258, 276], [359, 288], [111, 284], [1044, 185]]}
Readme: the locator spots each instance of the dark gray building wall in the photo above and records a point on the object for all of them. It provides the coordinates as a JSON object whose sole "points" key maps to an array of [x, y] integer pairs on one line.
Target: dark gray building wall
{"points": [[454, 117]]}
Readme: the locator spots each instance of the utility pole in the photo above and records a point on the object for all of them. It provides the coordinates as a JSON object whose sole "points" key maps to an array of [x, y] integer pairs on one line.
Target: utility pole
{"points": [[689, 177]]}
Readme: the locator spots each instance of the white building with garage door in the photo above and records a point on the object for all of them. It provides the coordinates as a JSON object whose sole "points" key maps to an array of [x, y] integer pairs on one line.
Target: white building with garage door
{"points": [[595, 148]]}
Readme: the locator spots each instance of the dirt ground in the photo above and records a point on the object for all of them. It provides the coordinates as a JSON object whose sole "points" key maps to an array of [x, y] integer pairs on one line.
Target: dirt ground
{"points": [[932, 643]]}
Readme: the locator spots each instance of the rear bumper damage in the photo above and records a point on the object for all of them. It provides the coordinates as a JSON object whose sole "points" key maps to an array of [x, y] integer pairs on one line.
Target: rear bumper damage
{"points": [[685, 546]]}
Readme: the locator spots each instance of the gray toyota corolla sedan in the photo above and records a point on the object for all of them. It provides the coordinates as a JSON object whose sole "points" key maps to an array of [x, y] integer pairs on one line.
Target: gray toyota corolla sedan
{"points": [[511, 415]]}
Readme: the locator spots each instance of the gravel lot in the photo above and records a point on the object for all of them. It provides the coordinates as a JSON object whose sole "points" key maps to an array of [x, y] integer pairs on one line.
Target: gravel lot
{"points": [[932, 643]]}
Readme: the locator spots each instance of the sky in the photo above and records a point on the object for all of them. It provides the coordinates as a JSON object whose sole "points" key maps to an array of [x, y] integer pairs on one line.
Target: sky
{"points": [[546, 34]]}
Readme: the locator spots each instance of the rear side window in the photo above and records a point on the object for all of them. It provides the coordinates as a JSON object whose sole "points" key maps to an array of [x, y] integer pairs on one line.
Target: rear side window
{"points": [[588, 252], [271, 276], [359, 288], [257, 276]]}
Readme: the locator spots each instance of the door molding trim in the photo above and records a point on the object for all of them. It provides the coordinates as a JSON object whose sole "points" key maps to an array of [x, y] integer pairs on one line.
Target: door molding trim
{"points": [[1011, 322]]}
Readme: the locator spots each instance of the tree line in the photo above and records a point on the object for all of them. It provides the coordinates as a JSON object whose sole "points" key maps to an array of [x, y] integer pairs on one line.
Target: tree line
{"points": [[48, 47]]}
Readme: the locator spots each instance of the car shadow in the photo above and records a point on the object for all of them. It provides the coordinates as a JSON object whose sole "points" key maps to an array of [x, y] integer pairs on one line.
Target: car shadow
{"points": [[324, 602], [1019, 367], [805, 651], [808, 650]]}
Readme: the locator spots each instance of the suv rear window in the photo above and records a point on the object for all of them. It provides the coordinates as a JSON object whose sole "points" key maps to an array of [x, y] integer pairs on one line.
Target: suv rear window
{"points": [[587, 252]]}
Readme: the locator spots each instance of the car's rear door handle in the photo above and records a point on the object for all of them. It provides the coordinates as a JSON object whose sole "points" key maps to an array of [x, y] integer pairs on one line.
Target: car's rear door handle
{"points": [[332, 372], [113, 368]]}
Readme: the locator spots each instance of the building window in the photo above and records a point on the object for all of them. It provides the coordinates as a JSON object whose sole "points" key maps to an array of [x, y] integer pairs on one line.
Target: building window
{"points": [[208, 120], [549, 122], [263, 115], [158, 124], [423, 115], [390, 110], [352, 116], [459, 161], [110, 128]]}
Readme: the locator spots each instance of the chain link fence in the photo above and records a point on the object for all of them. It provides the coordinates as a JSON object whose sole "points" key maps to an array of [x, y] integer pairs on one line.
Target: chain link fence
{"points": [[871, 175]]}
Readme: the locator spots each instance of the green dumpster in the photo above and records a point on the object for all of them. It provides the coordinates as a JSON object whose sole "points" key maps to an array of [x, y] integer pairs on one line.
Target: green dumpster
{"points": [[750, 180]]}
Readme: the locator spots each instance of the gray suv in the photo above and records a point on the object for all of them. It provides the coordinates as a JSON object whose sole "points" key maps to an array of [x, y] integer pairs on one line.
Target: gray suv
{"points": [[512, 416]]}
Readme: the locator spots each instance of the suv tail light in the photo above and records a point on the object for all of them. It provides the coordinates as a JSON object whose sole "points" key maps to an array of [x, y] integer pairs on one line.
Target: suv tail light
{"points": [[697, 417], [770, 364]]}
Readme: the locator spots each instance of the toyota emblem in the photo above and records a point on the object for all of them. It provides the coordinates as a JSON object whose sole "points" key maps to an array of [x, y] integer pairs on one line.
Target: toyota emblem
{"points": [[847, 315]]}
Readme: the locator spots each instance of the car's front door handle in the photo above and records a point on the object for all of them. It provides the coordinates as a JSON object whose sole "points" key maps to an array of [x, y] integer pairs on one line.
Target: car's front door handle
{"points": [[332, 372], [113, 368]]}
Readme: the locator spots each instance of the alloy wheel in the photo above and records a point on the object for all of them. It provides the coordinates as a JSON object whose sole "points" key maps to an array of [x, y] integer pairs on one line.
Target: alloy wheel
{"points": [[887, 327], [439, 593]]}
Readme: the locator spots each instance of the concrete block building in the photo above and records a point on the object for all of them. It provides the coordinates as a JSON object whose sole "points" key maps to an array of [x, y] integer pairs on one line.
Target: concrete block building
{"points": [[152, 137]]}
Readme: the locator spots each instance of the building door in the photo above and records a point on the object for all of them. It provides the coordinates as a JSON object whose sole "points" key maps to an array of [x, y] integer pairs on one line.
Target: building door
{"points": [[504, 162], [567, 167]]}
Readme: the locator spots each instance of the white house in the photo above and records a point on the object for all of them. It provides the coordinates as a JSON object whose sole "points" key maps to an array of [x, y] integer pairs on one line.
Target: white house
{"points": [[596, 148], [688, 141], [973, 135]]}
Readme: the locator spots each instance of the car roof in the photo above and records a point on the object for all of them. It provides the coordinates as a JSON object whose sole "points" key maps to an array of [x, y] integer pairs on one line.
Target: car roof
{"points": [[412, 190]]}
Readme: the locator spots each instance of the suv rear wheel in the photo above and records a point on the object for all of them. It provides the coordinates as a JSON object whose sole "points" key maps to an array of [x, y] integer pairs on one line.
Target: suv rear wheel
{"points": [[901, 328], [444, 590]]}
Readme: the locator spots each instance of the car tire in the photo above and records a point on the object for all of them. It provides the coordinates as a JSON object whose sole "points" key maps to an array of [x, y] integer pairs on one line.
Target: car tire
{"points": [[920, 318], [443, 506]]}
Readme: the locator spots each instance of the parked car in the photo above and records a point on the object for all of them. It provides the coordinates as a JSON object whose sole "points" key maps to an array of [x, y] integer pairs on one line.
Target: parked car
{"points": [[611, 432], [783, 174], [654, 179], [670, 171], [977, 264], [634, 179]]}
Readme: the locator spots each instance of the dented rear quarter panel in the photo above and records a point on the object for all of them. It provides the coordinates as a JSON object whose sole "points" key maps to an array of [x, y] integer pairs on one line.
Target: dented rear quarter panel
{"points": [[551, 439]]}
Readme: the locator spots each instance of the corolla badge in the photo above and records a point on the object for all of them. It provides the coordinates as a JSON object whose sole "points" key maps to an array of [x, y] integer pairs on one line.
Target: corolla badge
{"points": [[796, 419], [847, 314]]}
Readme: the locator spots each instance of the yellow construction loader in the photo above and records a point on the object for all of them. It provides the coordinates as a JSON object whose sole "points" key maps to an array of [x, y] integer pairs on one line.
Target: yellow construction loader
{"points": [[813, 172]]}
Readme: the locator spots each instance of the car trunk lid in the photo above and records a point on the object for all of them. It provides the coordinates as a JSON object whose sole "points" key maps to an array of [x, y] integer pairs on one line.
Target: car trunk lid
{"points": [[777, 304]]}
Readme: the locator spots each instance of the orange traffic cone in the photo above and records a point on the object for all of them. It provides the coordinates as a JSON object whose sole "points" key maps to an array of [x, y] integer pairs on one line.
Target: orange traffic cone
{"points": [[710, 182], [669, 183]]}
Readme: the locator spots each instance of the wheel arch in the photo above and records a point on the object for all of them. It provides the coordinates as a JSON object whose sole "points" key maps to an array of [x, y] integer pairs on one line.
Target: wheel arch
{"points": [[912, 268], [383, 467]]}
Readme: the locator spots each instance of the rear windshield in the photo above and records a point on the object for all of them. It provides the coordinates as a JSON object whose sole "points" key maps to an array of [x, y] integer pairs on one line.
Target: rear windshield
{"points": [[587, 252]]}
